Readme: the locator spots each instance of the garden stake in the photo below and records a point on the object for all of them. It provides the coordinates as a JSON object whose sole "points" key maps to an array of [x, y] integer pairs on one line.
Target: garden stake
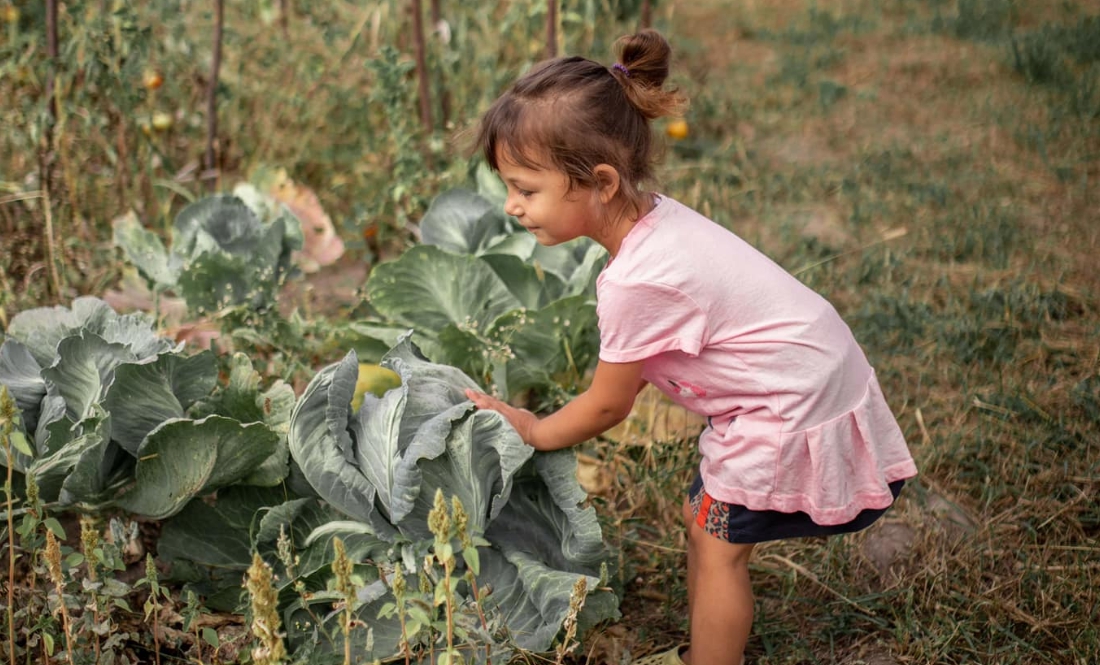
{"points": [[421, 66], [551, 28], [436, 15], [46, 165], [212, 92], [55, 280]]}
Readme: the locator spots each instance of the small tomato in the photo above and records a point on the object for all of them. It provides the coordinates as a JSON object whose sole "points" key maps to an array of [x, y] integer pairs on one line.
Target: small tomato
{"points": [[162, 121], [677, 129], [373, 379], [152, 79]]}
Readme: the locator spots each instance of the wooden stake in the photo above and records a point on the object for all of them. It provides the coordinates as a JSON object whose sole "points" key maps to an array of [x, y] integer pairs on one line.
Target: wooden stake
{"points": [[422, 65], [551, 28], [444, 97], [212, 94], [51, 251], [46, 160]]}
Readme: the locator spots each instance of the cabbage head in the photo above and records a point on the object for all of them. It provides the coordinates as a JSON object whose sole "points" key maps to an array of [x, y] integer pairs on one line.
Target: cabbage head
{"points": [[382, 465], [115, 415], [227, 250]]}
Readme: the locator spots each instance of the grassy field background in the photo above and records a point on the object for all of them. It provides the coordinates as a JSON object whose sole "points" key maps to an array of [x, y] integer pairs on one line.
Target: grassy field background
{"points": [[931, 166], [932, 169]]}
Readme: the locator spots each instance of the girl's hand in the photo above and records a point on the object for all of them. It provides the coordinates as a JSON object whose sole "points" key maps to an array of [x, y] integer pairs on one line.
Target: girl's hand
{"points": [[521, 419], [605, 404]]}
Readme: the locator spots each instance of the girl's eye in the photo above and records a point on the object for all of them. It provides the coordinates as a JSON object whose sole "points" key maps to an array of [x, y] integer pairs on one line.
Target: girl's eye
{"points": [[524, 193]]}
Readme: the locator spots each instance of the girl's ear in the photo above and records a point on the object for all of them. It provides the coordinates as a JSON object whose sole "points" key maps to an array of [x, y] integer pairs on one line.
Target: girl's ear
{"points": [[607, 182]]}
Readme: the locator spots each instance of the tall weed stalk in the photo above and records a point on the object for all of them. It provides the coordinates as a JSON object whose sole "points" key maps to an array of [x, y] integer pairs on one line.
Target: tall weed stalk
{"points": [[8, 414]]}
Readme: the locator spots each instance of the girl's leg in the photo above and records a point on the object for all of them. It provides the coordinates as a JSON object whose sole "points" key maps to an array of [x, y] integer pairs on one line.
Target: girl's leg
{"points": [[720, 602]]}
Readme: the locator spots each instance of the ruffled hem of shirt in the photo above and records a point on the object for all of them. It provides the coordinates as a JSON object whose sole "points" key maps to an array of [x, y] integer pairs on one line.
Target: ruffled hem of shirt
{"points": [[825, 516], [834, 470]]}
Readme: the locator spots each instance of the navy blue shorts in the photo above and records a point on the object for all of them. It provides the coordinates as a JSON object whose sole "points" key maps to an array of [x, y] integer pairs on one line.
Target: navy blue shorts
{"points": [[738, 524]]}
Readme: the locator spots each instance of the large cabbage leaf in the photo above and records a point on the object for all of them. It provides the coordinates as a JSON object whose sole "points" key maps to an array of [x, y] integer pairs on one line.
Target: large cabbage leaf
{"points": [[484, 296], [381, 467], [428, 288], [462, 222], [184, 458], [42, 329], [21, 373], [495, 317], [210, 542]]}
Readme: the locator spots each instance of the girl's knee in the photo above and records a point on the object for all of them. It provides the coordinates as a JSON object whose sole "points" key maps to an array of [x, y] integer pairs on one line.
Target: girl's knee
{"points": [[713, 550]]}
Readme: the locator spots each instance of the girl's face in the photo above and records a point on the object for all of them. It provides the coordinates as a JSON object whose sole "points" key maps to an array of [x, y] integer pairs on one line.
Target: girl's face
{"points": [[544, 203]]}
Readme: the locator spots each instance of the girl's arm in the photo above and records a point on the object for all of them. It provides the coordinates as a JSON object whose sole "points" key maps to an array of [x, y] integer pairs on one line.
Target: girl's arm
{"points": [[605, 404]]}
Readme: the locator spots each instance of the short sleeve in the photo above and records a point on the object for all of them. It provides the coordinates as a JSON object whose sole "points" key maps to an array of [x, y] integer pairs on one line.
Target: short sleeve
{"points": [[642, 319]]}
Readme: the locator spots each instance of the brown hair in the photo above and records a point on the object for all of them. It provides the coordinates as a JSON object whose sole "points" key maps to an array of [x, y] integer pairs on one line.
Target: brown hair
{"points": [[579, 114]]}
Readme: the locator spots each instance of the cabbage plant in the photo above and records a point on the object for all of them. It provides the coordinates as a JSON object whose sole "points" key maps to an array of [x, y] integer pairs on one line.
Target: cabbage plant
{"points": [[382, 465], [227, 250], [115, 415], [483, 295]]}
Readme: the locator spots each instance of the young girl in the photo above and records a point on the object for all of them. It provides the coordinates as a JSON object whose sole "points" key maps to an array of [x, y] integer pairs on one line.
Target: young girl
{"points": [[799, 440]]}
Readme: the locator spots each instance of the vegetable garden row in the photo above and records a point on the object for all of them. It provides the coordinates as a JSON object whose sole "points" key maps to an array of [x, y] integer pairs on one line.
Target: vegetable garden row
{"points": [[413, 526]]}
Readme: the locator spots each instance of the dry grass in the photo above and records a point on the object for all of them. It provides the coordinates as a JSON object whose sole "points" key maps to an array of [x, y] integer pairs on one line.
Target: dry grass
{"points": [[982, 321]]}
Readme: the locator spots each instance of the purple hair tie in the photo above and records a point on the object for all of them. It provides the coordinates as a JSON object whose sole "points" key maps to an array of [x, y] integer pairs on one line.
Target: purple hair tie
{"points": [[621, 68]]}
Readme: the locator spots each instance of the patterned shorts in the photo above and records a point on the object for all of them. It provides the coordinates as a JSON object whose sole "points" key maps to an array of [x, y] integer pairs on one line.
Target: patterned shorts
{"points": [[737, 524]]}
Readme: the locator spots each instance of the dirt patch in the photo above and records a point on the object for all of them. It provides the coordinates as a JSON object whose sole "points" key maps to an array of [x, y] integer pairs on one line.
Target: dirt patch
{"points": [[886, 545], [873, 655], [806, 149], [740, 60], [328, 292]]}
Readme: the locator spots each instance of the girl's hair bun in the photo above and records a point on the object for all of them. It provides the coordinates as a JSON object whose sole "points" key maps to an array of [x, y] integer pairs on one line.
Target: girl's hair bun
{"points": [[645, 57]]}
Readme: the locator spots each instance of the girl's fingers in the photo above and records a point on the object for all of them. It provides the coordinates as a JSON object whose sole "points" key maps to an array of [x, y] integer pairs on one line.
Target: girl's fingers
{"points": [[483, 401]]}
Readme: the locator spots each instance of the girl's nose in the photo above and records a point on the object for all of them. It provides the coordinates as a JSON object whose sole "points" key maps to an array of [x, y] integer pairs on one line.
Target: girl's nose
{"points": [[511, 206]]}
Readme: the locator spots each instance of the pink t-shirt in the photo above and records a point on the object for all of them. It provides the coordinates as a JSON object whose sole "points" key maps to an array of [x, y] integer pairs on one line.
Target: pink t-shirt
{"points": [[796, 419]]}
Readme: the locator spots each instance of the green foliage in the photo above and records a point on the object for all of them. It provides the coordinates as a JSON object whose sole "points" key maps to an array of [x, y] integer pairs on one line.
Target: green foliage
{"points": [[1066, 58], [982, 19], [485, 297], [399, 134], [85, 583]]}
